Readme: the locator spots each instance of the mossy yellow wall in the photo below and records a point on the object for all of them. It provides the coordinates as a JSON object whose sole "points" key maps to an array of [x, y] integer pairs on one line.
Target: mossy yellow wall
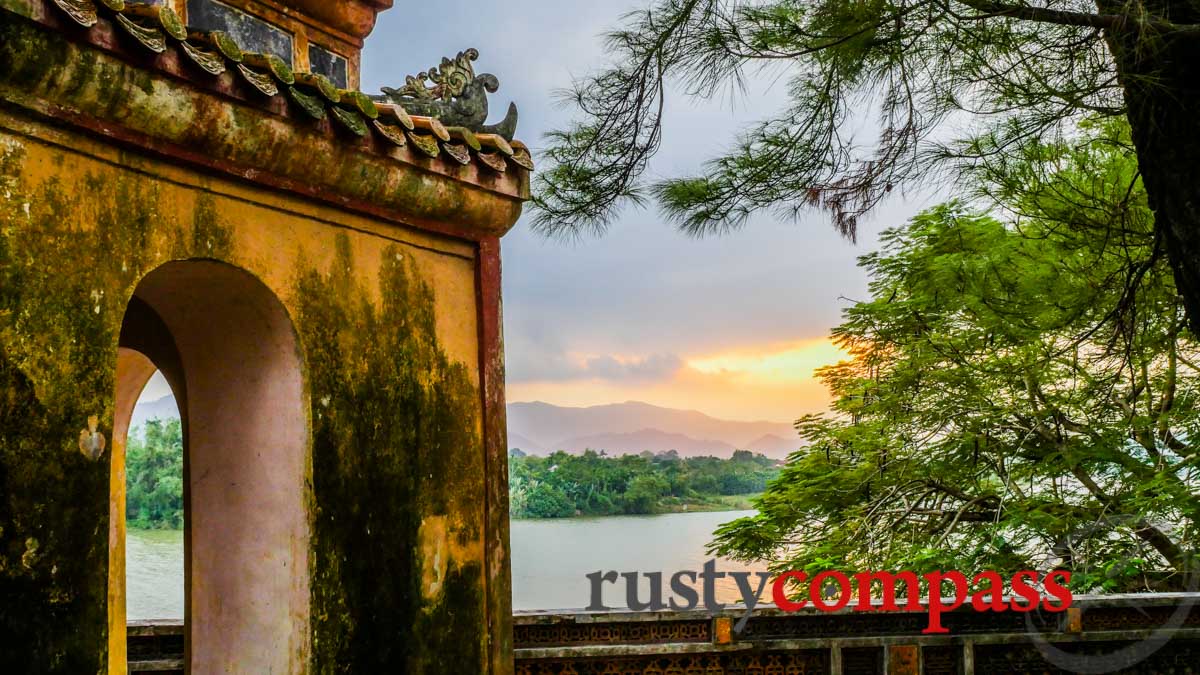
{"points": [[387, 322]]}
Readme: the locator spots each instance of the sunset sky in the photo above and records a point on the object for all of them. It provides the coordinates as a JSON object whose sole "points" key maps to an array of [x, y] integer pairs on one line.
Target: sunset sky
{"points": [[732, 326]]}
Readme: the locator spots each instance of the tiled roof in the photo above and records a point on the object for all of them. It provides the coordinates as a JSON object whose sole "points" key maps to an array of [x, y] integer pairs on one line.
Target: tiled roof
{"points": [[158, 28]]}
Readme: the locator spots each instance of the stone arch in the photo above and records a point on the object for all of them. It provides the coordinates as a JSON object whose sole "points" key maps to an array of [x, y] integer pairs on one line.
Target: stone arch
{"points": [[227, 346]]}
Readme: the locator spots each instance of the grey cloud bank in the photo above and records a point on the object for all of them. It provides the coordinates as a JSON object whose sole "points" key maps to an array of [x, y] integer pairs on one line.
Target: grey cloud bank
{"points": [[644, 298]]}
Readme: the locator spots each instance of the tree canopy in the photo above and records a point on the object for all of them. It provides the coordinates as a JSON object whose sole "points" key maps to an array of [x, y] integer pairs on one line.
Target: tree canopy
{"points": [[999, 411], [950, 85], [154, 476], [562, 485]]}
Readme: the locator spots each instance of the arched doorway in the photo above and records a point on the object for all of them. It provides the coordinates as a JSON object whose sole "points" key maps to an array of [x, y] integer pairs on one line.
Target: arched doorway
{"points": [[227, 347]]}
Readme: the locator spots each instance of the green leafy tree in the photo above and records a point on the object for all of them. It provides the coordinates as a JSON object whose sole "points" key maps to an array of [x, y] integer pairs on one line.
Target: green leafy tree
{"points": [[154, 476], [595, 484], [547, 501], [644, 492], [948, 83], [1010, 403]]}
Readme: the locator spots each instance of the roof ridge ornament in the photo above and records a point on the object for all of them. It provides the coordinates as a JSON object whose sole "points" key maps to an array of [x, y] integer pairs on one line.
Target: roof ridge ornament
{"points": [[449, 103], [449, 80], [454, 94]]}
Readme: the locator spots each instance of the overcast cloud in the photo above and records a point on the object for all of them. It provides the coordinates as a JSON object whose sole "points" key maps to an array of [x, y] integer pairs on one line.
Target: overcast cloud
{"points": [[629, 315]]}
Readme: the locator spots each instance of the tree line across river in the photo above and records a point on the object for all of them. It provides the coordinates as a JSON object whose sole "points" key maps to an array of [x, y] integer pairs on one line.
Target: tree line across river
{"points": [[562, 485], [154, 476], [557, 486]]}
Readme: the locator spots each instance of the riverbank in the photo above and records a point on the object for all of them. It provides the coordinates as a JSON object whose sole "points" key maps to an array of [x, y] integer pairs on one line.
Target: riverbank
{"points": [[718, 504], [715, 504]]}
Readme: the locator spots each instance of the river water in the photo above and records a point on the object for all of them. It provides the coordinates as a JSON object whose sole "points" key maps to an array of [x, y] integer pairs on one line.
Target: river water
{"points": [[153, 574], [550, 560]]}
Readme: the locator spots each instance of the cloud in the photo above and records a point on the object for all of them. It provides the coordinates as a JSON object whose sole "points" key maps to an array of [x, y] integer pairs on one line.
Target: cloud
{"points": [[655, 367], [723, 394], [642, 312], [560, 367], [772, 381], [772, 364]]}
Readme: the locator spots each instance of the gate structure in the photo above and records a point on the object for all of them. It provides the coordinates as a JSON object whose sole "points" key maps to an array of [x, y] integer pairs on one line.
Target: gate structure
{"points": [[198, 187]]}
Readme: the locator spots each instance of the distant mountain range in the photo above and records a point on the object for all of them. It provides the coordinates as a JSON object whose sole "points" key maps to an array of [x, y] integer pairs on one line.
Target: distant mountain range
{"points": [[618, 428], [632, 427], [647, 439], [163, 408]]}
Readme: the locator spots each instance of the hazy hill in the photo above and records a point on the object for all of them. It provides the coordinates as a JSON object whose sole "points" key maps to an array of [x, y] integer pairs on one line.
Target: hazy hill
{"points": [[618, 428], [624, 425], [774, 446], [163, 408], [526, 445], [647, 439]]}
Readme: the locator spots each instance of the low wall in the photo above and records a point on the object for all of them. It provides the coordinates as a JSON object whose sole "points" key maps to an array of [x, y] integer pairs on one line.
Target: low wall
{"points": [[1157, 633], [1143, 633]]}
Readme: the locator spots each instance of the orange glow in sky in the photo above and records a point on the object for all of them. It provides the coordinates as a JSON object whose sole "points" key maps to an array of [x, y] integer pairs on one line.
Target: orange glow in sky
{"points": [[766, 382]]}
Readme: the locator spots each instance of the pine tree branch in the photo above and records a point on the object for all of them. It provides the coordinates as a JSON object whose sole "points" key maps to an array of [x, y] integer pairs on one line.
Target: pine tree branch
{"points": [[1112, 22]]}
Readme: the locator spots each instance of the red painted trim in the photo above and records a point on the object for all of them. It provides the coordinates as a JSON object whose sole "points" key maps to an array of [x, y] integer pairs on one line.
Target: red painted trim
{"points": [[498, 571]]}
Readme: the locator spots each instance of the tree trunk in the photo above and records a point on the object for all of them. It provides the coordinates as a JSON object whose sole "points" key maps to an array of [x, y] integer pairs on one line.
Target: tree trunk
{"points": [[1161, 79]]}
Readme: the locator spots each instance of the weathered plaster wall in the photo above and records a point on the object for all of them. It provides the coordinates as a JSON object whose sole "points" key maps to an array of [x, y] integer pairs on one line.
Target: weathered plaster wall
{"points": [[399, 532], [133, 371], [247, 463], [387, 325]]}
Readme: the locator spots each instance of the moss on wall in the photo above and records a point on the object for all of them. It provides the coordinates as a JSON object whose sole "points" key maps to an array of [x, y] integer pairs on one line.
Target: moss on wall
{"points": [[398, 466], [398, 479], [71, 254], [22, 7], [39, 69], [61, 298]]}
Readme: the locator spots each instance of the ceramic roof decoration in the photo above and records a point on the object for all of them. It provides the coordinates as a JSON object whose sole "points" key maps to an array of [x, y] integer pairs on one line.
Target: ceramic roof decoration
{"points": [[454, 95], [445, 120]]}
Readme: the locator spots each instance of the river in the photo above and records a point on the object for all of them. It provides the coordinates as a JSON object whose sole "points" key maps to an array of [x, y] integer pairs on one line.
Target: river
{"points": [[550, 560]]}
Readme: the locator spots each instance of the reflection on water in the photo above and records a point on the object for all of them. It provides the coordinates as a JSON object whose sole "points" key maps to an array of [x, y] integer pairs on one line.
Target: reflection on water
{"points": [[153, 574], [550, 559]]}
